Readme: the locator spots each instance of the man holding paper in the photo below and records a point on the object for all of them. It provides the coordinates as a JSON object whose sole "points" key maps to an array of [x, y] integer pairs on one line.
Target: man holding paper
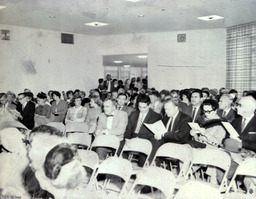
{"points": [[176, 124]]}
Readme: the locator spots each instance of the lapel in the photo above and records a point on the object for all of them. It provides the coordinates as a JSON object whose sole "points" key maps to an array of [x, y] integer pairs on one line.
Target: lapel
{"points": [[249, 125], [176, 121], [115, 120], [147, 116]]}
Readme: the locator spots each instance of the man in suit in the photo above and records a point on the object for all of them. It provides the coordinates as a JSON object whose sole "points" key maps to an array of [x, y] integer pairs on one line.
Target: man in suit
{"points": [[121, 100], [176, 99], [27, 111], [156, 104], [112, 122], [135, 127], [246, 128], [176, 124], [225, 111], [108, 84], [193, 110]]}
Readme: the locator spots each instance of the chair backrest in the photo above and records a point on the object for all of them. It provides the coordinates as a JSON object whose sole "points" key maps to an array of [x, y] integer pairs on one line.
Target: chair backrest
{"points": [[157, 177], [245, 168], [83, 139], [77, 127], [109, 141], [58, 125], [176, 151], [89, 158], [198, 190], [211, 157], [138, 145], [114, 166]]}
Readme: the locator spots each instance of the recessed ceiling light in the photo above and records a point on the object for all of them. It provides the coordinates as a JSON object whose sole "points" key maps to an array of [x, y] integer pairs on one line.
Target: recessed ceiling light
{"points": [[142, 56], [2, 7], [118, 62], [96, 24], [210, 18], [141, 15], [52, 17], [133, 1], [127, 66]]}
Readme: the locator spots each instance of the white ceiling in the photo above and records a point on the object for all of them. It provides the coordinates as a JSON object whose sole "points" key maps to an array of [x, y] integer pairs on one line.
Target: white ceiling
{"points": [[122, 16]]}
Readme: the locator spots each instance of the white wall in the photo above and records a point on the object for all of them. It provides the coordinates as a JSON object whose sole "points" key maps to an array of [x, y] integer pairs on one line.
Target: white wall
{"points": [[58, 66], [63, 66]]}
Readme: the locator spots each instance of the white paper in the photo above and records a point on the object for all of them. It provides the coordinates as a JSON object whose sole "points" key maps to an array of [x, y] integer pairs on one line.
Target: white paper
{"points": [[232, 132], [252, 133], [157, 128], [194, 126]]}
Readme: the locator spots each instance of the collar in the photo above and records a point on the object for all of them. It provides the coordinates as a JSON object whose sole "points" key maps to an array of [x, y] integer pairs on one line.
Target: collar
{"points": [[248, 118]]}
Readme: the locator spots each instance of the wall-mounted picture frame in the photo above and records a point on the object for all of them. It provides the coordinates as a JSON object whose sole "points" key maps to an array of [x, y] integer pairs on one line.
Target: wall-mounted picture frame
{"points": [[5, 34]]}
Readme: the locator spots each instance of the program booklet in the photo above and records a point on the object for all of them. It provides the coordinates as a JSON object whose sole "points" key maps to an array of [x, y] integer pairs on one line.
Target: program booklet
{"points": [[232, 132], [157, 128]]}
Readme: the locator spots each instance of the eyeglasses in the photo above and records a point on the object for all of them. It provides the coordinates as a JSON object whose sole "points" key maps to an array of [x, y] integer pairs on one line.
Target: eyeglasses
{"points": [[208, 111]]}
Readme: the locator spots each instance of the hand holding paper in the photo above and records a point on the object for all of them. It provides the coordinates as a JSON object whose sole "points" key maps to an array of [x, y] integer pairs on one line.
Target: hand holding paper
{"points": [[157, 128]]}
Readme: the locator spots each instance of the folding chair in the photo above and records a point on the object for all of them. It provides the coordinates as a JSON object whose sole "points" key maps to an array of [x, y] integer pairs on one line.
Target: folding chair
{"points": [[154, 177], [136, 146], [245, 168], [81, 140], [181, 152], [58, 125], [198, 190], [89, 159], [106, 141], [113, 168], [210, 157], [76, 127]]}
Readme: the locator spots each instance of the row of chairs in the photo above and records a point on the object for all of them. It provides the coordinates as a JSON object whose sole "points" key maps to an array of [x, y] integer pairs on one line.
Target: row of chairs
{"points": [[189, 160]]}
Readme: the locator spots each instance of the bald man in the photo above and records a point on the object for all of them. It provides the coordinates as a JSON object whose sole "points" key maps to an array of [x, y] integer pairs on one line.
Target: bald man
{"points": [[225, 111]]}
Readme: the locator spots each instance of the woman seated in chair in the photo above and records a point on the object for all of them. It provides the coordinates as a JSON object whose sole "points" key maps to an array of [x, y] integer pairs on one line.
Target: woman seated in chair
{"points": [[211, 132], [43, 110], [76, 113]]}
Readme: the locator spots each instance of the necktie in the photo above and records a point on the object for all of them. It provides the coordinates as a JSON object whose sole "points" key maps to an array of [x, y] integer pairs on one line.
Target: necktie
{"points": [[193, 114], [169, 124], [224, 114], [139, 124], [243, 125]]}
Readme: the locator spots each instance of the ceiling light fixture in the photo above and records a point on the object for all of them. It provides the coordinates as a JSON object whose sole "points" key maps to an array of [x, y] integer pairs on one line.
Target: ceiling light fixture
{"points": [[96, 24], [2, 7], [142, 56], [134, 1], [127, 66], [118, 62], [210, 18], [141, 15]]}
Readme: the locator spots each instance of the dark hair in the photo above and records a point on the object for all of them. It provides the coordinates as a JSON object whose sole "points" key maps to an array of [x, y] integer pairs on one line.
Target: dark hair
{"points": [[122, 94], [143, 98], [69, 92], [233, 91], [197, 91], [207, 93], [213, 103], [56, 158], [42, 95], [185, 92], [100, 80], [57, 93], [72, 103], [155, 93], [46, 129], [3, 95]]}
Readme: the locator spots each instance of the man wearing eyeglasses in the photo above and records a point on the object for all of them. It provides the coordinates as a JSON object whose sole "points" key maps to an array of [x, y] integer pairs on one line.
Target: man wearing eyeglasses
{"points": [[27, 111]]}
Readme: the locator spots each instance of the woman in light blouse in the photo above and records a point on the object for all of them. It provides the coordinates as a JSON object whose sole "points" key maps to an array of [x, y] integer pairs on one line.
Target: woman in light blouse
{"points": [[76, 113], [59, 108]]}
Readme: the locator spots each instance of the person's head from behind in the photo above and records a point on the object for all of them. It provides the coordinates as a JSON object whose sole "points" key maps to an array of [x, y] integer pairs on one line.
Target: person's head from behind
{"points": [[121, 99], [41, 98], [209, 108], [26, 90], [246, 106], [143, 102], [196, 97], [109, 106], [170, 108], [3, 98]]}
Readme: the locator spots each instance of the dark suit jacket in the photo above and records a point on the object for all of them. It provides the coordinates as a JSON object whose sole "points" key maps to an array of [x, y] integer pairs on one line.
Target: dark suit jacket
{"points": [[248, 140], [144, 132], [230, 116], [127, 109], [180, 132], [182, 106], [28, 115], [189, 111], [112, 88]]}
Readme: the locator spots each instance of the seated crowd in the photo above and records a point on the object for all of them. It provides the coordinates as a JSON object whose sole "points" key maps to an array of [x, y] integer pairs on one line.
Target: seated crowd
{"points": [[119, 110]]}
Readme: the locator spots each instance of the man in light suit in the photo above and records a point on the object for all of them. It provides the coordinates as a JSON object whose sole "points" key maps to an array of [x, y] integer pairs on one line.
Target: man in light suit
{"points": [[111, 122], [121, 100], [225, 110]]}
